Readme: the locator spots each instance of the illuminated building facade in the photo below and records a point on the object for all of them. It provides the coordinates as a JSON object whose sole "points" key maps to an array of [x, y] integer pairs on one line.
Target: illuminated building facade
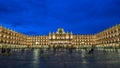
{"points": [[62, 39], [9, 38], [109, 37]]}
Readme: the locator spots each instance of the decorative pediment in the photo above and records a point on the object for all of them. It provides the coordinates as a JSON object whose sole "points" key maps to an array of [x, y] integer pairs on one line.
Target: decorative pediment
{"points": [[60, 31]]}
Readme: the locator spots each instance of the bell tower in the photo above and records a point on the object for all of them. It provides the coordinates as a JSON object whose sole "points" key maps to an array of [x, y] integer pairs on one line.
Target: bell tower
{"points": [[60, 31]]}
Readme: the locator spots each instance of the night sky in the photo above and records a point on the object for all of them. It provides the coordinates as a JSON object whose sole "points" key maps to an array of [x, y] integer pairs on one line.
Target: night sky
{"points": [[39, 17]]}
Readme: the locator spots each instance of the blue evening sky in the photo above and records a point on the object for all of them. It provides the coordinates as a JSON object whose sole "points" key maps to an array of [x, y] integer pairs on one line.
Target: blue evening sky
{"points": [[39, 17]]}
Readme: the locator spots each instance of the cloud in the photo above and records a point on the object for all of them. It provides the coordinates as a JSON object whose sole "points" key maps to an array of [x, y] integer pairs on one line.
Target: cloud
{"points": [[42, 16]]}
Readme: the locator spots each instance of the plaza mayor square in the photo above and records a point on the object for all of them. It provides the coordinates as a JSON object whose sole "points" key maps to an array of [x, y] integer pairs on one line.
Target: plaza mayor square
{"points": [[59, 34]]}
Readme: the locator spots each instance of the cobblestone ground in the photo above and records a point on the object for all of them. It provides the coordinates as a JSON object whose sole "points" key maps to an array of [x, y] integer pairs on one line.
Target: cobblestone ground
{"points": [[60, 58]]}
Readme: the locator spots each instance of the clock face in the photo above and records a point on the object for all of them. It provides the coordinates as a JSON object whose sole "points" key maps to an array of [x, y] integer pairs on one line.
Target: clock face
{"points": [[60, 31]]}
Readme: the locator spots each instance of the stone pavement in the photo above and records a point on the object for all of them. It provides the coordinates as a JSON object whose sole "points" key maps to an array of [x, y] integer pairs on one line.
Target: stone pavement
{"points": [[60, 58]]}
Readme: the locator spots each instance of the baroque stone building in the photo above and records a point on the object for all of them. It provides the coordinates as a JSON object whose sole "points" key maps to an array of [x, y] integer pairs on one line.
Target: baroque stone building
{"points": [[107, 38]]}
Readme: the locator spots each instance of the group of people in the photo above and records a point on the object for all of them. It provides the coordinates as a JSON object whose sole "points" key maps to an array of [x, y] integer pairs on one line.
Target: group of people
{"points": [[91, 51], [5, 50]]}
